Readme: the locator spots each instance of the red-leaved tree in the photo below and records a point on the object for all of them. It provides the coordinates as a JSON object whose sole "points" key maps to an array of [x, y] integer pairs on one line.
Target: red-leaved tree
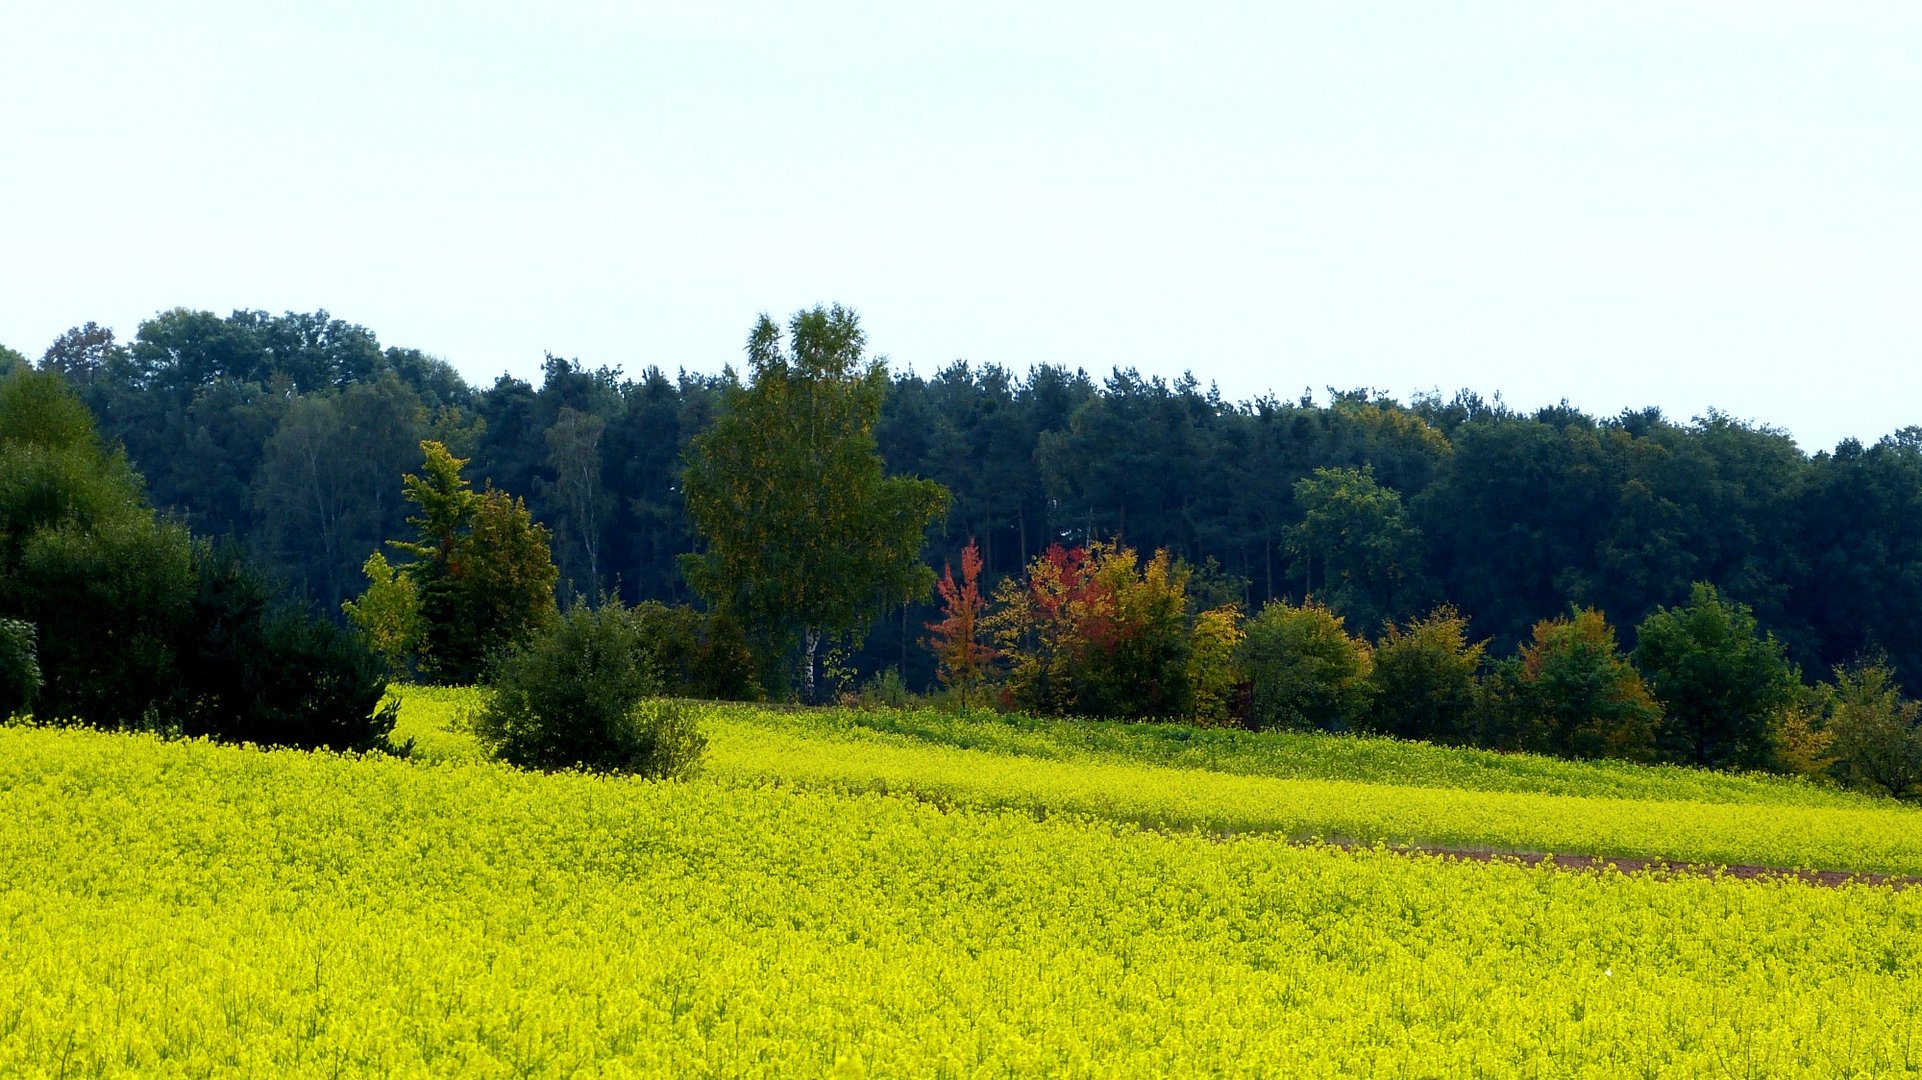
{"points": [[961, 660]]}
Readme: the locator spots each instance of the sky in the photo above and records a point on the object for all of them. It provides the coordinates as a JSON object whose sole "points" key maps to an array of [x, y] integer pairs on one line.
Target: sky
{"points": [[1690, 205]]}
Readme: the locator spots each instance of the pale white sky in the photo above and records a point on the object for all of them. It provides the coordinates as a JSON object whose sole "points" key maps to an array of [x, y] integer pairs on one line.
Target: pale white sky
{"points": [[1689, 205]]}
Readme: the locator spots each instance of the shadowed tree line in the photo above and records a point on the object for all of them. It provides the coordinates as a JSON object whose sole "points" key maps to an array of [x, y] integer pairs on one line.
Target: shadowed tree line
{"points": [[290, 434]]}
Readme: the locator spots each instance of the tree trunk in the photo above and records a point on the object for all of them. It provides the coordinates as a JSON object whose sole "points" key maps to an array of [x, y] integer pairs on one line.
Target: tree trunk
{"points": [[1021, 523], [807, 670]]}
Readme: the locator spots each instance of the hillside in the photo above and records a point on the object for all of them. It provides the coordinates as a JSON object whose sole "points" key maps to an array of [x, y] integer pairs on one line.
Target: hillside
{"points": [[1003, 908]]}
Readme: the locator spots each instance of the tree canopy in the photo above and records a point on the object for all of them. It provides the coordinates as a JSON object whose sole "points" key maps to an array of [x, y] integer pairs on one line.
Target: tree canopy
{"points": [[290, 433]]}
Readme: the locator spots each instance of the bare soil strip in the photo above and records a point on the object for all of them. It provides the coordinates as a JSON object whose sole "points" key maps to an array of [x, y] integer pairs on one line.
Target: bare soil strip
{"points": [[1659, 867]]}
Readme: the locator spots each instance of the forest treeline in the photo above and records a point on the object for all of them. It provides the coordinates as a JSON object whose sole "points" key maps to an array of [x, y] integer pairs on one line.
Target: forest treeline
{"points": [[290, 434]]}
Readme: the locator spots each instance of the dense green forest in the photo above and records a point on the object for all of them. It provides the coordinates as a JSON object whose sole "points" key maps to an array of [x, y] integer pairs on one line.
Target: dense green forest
{"points": [[290, 433]]}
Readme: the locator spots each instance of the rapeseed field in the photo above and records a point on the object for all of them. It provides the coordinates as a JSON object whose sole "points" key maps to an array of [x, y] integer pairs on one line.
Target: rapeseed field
{"points": [[835, 897]]}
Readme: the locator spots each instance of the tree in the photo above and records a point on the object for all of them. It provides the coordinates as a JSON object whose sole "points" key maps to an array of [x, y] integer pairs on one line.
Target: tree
{"points": [[141, 627], [1038, 623], [1135, 663], [1306, 671], [1722, 682], [84, 354], [326, 488], [699, 654], [254, 666], [1368, 552], [1096, 632], [82, 557], [1572, 693], [574, 454], [803, 535], [1424, 680], [1874, 732], [961, 657], [482, 570]]}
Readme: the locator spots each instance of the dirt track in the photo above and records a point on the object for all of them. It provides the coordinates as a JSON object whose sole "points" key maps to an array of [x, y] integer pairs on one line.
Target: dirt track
{"points": [[1823, 878]]}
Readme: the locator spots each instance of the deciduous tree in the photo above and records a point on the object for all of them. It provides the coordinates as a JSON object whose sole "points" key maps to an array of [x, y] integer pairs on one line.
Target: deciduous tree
{"points": [[961, 657], [1424, 679], [1722, 681], [1306, 670], [482, 569], [804, 536], [1572, 693], [1875, 733]]}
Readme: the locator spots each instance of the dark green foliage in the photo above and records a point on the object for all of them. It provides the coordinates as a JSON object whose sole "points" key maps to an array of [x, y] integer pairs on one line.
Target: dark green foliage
{"points": [[1353, 531], [82, 558], [697, 654], [1722, 681], [575, 696], [1518, 514], [111, 603], [1307, 672], [252, 667], [19, 667], [1424, 681], [137, 628], [1876, 736]]}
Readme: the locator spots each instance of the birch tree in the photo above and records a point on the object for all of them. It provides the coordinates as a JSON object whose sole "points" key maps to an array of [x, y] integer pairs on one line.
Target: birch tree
{"points": [[803, 536]]}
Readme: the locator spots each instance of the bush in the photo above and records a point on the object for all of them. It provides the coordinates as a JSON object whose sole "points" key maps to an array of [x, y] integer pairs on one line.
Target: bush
{"points": [[1305, 669], [1096, 632], [252, 668], [696, 654], [1424, 680], [19, 667], [886, 690], [573, 697], [1214, 671], [1875, 734], [1572, 693]]}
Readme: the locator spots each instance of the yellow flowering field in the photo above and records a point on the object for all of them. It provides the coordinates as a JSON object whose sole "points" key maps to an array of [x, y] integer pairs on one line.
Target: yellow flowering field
{"points": [[183, 909], [1675, 815]]}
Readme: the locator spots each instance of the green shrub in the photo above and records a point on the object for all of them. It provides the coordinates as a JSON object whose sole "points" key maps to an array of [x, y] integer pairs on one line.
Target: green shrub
{"points": [[697, 654], [1305, 670], [573, 697], [253, 668], [19, 667], [1875, 734], [1424, 680], [886, 690]]}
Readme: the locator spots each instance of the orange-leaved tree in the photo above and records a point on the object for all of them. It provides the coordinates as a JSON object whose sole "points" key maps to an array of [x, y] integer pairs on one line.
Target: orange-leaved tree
{"points": [[1095, 632], [961, 658]]}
